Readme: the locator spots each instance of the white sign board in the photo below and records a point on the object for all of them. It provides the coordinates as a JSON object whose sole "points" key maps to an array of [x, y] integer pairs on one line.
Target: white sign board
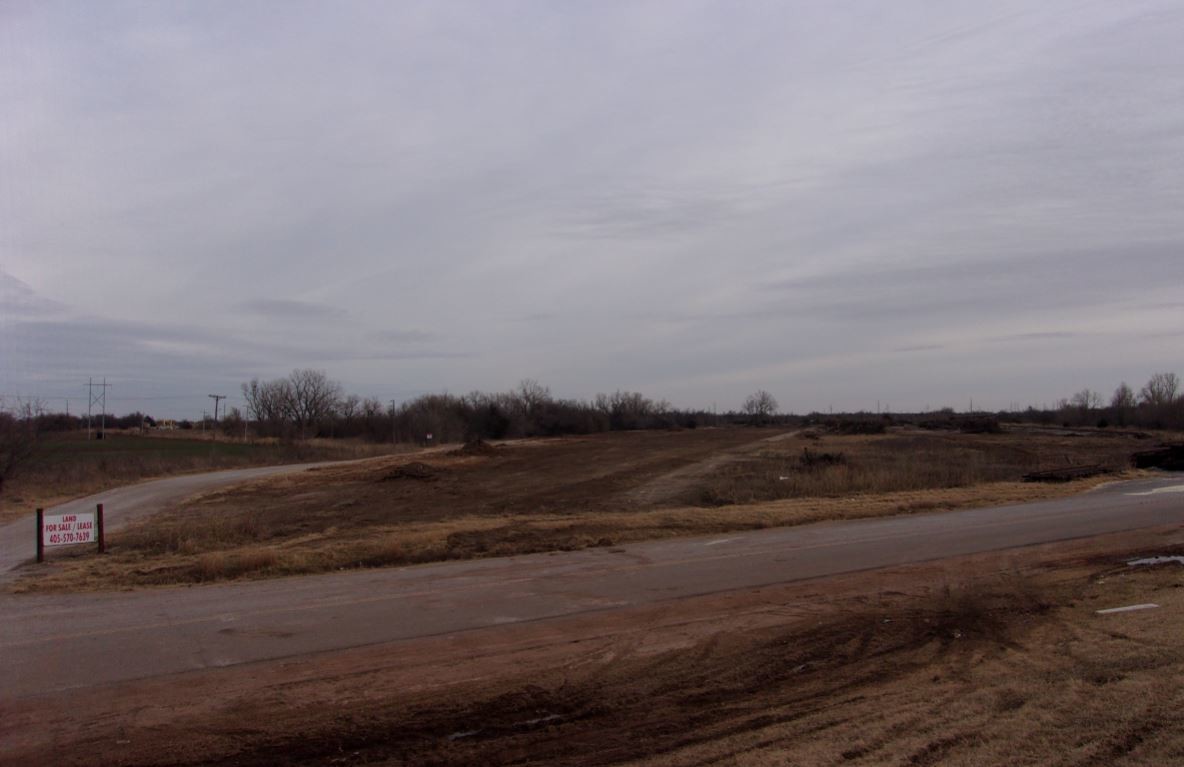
{"points": [[65, 529]]}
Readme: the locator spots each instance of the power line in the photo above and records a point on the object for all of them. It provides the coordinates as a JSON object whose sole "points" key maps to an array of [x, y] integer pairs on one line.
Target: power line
{"points": [[91, 399]]}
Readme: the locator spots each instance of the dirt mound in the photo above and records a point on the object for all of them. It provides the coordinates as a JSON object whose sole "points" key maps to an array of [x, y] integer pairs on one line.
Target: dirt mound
{"points": [[413, 470], [475, 447]]}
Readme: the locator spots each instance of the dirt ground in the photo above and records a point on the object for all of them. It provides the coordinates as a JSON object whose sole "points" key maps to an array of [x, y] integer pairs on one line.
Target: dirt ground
{"points": [[996, 659], [572, 493]]}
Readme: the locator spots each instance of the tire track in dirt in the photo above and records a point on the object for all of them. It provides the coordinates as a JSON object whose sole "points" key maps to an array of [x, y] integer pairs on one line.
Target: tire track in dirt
{"points": [[669, 486]]}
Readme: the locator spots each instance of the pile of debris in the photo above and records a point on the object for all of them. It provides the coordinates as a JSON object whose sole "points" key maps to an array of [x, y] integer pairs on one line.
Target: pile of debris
{"points": [[413, 470], [475, 447]]}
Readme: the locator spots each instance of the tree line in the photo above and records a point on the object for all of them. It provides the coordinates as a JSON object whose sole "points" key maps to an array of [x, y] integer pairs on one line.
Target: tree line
{"points": [[1159, 404], [308, 403]]}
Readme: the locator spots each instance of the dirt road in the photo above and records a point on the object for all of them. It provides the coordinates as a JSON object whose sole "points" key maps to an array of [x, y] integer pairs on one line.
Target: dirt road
{"points": [[125, 504], [119, 636]]}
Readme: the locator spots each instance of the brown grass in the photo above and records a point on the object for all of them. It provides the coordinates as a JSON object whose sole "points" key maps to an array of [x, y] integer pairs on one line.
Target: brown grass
{"points": [[978, 672], [895, 462], [998, 659], [561, 495], [192, 548]]}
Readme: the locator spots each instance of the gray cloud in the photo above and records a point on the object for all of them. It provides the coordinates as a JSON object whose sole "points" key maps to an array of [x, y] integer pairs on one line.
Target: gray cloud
{"points": [[408, 336], [18, 299], [286, 308], [692, 198], [1051, 335]]}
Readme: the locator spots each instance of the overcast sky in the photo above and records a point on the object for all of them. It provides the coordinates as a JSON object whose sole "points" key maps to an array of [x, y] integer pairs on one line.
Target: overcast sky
{"points": [[918, 203]]}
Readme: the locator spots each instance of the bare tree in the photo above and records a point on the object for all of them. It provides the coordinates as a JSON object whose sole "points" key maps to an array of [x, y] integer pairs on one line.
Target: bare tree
{"points": [[760, 405], [302, 399], [267, 401], [629, 409], [312, 397], [532, 395], [1162, 389], [19, 435], [1123, 397], [1086, 400], [349, 407]]}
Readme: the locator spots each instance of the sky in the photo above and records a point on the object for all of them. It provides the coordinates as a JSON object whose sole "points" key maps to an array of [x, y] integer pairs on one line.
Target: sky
{"points": [[916, 204]]}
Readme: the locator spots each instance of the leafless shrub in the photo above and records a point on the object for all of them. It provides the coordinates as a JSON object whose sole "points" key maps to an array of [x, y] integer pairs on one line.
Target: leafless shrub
{"points": [[1161, 389], [760, 407], [19, 436], [815, 460]]}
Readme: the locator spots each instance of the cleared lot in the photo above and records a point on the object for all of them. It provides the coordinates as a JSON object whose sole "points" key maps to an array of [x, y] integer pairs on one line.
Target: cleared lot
{"points": [[567, 494]]}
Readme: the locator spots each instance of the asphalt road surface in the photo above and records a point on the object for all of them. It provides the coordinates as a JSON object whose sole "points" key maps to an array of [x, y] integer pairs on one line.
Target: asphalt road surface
{"points": [[58, 642], [123, 504]]}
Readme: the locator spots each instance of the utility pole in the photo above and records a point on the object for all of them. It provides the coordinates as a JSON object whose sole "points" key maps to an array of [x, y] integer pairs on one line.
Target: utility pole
{"points": [[91, 400], [217, 398]]}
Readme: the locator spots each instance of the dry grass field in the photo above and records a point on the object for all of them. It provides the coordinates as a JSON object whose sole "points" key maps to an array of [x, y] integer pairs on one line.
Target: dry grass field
{"points": [[572, 493]]}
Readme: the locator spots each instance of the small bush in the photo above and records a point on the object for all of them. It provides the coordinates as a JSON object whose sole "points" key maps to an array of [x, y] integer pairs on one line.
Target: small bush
{"points": [[980, 425], [857, 426], [816, 459]]}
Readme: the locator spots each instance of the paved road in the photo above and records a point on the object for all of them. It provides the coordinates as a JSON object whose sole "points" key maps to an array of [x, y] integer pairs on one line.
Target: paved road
{"points": [[50, 643], [122, 505]]}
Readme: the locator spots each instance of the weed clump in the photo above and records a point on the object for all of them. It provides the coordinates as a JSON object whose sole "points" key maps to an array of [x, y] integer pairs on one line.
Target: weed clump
{"points": [[817, 459]]}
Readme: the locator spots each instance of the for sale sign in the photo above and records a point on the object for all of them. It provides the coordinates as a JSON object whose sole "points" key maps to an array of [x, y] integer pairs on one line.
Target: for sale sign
{"points": [[65, 529]]}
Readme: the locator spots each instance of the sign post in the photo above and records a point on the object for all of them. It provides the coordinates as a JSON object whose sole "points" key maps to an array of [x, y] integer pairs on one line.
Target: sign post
{"points": [[69, 529], [40, 535]]}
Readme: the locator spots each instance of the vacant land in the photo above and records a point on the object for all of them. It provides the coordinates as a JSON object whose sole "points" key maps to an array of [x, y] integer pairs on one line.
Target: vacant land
{"points": [[565, 494], [997, 659], [69, 465], [822, 465]]}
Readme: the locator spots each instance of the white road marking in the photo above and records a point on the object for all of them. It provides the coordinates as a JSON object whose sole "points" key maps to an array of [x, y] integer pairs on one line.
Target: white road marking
{"points": [[1128, 608], [1155, 561], [1159, 490], [719, 541]]}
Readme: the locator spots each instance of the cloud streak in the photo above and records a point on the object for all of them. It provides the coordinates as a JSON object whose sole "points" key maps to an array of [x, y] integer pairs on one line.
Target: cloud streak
{"points": [[696, 199]]}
